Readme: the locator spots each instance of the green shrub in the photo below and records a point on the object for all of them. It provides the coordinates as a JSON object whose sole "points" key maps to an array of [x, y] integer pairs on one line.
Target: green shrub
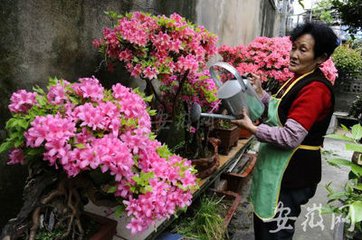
{"points": [[347, 60]]}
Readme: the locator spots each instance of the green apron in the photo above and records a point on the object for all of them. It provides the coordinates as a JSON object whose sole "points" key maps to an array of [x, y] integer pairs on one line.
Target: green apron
{"points": [[271, 165]]}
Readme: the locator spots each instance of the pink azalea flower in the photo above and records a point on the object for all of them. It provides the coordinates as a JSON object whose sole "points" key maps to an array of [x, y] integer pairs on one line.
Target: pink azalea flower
{"points": [[57, 93], [89, 88], [150, 73], [16, 156], [21, 101], [267, 57]]}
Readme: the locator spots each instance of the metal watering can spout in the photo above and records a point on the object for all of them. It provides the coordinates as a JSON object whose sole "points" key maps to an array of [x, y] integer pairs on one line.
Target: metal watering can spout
{"points": [[196, 114], [237, 92]]}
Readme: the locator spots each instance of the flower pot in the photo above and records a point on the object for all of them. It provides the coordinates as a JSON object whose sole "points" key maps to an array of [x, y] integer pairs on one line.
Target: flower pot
{"points": [[235, 181], [244, 133], [107, 227], [234, 201], [228, 137]]}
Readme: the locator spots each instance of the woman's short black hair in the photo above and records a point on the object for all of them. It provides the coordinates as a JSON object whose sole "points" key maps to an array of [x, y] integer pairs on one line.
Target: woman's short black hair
{"points": [[325, 39]]}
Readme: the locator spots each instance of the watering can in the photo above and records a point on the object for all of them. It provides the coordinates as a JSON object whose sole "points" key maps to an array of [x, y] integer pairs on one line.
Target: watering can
{"points": [[236, 94]]}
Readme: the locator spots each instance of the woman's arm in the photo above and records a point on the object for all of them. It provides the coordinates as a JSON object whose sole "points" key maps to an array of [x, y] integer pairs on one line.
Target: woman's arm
{"points": [[311, 105], [290, 136]]}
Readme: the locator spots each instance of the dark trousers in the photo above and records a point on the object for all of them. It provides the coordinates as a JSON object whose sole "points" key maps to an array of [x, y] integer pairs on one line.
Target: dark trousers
{"points": [[281, 227]]}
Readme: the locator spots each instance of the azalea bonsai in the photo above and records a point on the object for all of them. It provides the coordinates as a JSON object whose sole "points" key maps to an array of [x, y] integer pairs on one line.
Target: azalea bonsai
{"points": [[169, 50], [79, 139], [269, 58], [170, 55]]}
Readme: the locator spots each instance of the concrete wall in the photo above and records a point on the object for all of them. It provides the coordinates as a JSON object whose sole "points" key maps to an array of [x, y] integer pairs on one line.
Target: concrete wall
{"points": [[42, 38], [238, 22]]}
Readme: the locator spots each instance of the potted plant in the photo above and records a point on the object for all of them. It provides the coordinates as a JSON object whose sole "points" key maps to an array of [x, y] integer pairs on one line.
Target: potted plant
{"points": [[82, 142], [209, 217], [168, 52], [348, 202], [227, 133]]}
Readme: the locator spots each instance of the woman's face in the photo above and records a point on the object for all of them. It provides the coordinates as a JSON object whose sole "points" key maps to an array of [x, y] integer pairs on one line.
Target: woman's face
{"points": [[302, 55]]}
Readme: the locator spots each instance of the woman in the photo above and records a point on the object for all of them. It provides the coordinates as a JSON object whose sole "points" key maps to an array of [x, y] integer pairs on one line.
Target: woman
{"points": [[288, 168]]}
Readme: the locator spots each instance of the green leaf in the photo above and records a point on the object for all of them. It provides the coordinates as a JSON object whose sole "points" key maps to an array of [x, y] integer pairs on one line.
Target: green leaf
{"points": [[119, 211], [346, 129], [336, 195], [52, 81], [152, 112], [113, 15], [356, 169], [19, 141], [152, 136], [339, 137], [355, 212], [23, 123], [39, 90], [326, 210], [357, 132], [74, 100], [354, 147], [5, 146], [34, 151], [163, 151], [358, 186], [340, 162], [80, 145], [148, 99], [41, 100], [11, 123], [112, 189]]}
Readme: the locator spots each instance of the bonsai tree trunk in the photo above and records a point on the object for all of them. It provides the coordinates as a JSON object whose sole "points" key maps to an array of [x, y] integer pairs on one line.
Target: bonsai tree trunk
{"points": [[49, 191]]}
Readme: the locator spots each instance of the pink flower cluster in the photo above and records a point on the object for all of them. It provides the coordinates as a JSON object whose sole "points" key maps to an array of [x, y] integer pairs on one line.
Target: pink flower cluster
{"points": [[87, 127], [269, 58], [21, 101], [329, 70], [163, 48]]}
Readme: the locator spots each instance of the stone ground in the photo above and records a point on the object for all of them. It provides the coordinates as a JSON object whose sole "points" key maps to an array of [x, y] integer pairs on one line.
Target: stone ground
{"points": [[241, 226]]}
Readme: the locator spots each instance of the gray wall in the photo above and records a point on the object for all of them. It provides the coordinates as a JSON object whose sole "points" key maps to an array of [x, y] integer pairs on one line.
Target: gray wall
{"points": [[42, 38], [238, 21]]}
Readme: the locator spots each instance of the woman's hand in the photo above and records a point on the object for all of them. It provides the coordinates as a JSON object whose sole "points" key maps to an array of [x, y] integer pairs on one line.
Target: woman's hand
{"points": [[245, 122], [255, 81]]}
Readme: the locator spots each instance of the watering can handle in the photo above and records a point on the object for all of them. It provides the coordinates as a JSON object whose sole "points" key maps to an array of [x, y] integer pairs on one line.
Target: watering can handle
{"points": [[228, 67]]}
